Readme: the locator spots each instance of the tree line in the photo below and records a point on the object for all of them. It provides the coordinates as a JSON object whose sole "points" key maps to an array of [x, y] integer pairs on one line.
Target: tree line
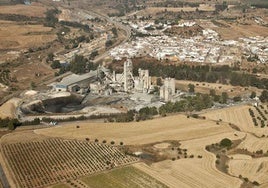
{"points": [[203, 73]]}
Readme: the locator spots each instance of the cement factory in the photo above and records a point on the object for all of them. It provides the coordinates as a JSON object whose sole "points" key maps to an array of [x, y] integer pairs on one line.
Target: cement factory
{"points": [[98, 92], [104, 82]]}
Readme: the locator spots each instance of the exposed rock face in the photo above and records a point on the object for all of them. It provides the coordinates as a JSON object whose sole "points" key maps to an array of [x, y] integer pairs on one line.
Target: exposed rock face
{"points": [[56, 104]]}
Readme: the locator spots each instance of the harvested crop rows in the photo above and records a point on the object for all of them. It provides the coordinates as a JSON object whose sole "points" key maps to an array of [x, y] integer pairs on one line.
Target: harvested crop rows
{"points": [[238, 115], [253, 144], [49, 161], [177, 127], [254, 169], [193, 172]]}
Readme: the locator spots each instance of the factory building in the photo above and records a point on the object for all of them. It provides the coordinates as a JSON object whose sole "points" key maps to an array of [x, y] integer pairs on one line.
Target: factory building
{"points": [[143, 81], [75, 82], [168, 89], [102, 81]]}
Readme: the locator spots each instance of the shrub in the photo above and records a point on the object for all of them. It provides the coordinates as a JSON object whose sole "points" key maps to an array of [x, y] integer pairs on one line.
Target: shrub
{"points": [[255, 183], [112, 142], [226, 142]]}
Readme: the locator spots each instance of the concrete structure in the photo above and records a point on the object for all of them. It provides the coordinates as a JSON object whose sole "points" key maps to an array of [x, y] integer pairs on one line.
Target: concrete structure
{"points": [[168, 89], [76, 83], [128, 76], [143, 81]]}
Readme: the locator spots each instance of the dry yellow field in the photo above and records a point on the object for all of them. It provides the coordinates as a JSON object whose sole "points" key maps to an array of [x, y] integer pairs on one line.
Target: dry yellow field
{"points": [[203, 87], [193, 134], [238, 115], [253, 144], [236, 31], [15, 36], [265, 185], [8, 108], [193, 172], [177, 127], [34, 10], [254, 169]]}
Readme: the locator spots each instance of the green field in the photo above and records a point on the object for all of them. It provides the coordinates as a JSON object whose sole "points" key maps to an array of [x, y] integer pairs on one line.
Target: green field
{"points": [[129, 177]]}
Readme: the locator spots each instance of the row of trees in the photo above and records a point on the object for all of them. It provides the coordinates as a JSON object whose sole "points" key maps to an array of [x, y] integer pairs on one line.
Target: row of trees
{"points": [[203, 73], [12, 123]]}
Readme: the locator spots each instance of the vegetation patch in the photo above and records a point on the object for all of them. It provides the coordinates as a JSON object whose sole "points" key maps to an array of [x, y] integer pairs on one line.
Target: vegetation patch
{"points": [[124, 177]]}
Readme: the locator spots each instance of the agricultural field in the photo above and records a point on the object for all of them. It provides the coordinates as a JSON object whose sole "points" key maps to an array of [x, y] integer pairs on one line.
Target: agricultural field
{"points": [[246, 118], [237, 115], [123, 177], [190, 164], [195, 171], [203, 87], [177, 127], [254, 144], [196, 166], [259, 115], [253, 169], [49, 161], [234, 31]]}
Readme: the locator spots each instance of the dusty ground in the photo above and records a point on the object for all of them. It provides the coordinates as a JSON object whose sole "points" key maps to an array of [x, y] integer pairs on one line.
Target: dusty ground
{"points": [[237, 31], [16, 36], [234, 31], [33, 10], [8, 108]]}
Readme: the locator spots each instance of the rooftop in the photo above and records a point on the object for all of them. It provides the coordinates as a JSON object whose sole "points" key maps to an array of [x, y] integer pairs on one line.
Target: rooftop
{"points": [[74, 78]]}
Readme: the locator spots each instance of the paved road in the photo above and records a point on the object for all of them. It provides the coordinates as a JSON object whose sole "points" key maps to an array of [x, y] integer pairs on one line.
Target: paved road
{"points": [[114, 22]]}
